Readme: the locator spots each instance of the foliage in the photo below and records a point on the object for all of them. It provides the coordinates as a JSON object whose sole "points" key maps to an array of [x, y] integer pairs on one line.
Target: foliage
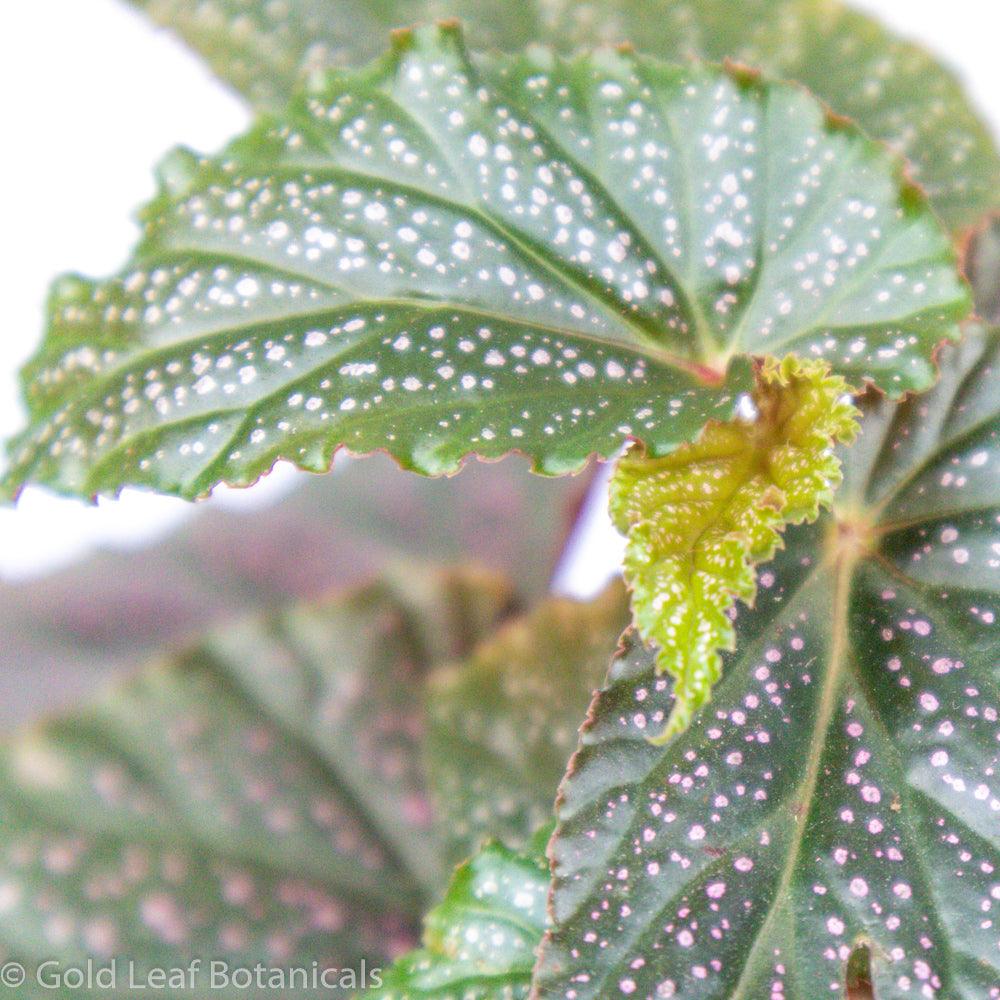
{"points": [[479, 942], [839, 792], [895, 90], [437, 259], [699, 520], [558, 252], [267, 794], [502, 725], [96, 618], [257, 795]]}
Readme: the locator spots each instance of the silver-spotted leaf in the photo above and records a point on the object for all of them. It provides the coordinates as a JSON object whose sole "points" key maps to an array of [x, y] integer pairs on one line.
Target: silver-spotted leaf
{"points": [[894, 89], [839, 794], [437, 259], [256, 798], [699, 520], [502, 724], [480, 941]]}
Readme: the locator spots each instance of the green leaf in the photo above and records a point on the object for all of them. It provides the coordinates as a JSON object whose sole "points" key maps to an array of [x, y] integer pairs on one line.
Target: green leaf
{"points": [[435, 260], [699, 520], [85, 623], [256, 798], [502, 725], [982, 264], [894, 89], [480, 941], [840, 792]]}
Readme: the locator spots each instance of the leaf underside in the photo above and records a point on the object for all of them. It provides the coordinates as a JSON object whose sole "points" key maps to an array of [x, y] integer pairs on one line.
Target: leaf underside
{"points": [[258, 798], [437, 259], [840, 791], [480, 941], [895, 90], [699, 520]]}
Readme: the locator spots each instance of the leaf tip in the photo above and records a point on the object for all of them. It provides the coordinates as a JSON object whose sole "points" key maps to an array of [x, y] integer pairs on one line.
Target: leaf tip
{"points": [[401, 39], [741, 73], [450, 26], [178, 171]]}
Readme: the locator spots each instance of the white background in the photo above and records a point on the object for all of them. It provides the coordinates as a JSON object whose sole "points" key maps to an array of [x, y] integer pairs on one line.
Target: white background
{"points": [[92, 98]]}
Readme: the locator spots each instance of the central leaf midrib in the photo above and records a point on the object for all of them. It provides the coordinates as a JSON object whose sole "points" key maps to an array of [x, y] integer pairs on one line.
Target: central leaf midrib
{"points": [[891, 747], [703, 329], [805, 792]]}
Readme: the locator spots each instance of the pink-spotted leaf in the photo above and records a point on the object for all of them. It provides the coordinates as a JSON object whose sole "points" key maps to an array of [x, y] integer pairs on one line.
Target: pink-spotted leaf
{"points": [[894, 89], [438, 259], [257, 798], [840, 792]]}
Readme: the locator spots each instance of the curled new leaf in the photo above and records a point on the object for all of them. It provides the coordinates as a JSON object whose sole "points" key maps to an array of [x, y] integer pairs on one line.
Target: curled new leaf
{"points": [[699, 519]]}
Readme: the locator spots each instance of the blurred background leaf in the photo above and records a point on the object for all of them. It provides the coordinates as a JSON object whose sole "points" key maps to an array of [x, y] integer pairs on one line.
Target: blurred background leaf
{"points": [[257, 797], [61, 633], [502, 725], [262, 795], [893, 88]]}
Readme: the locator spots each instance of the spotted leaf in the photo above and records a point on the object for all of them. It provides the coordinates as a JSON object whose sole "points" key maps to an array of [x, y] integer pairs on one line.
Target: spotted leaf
{"points": [[894, 89], [256, 798], [480, 941], [435, 260], [699, 520], [839, 795], [502, 725]]}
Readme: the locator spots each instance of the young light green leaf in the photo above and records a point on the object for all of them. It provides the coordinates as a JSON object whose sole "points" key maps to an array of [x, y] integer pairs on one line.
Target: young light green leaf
{"points": [[700, 520], [257, 798], [436, 260], [894, 89], [840, 792], [502, 725], [480, 941]]}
